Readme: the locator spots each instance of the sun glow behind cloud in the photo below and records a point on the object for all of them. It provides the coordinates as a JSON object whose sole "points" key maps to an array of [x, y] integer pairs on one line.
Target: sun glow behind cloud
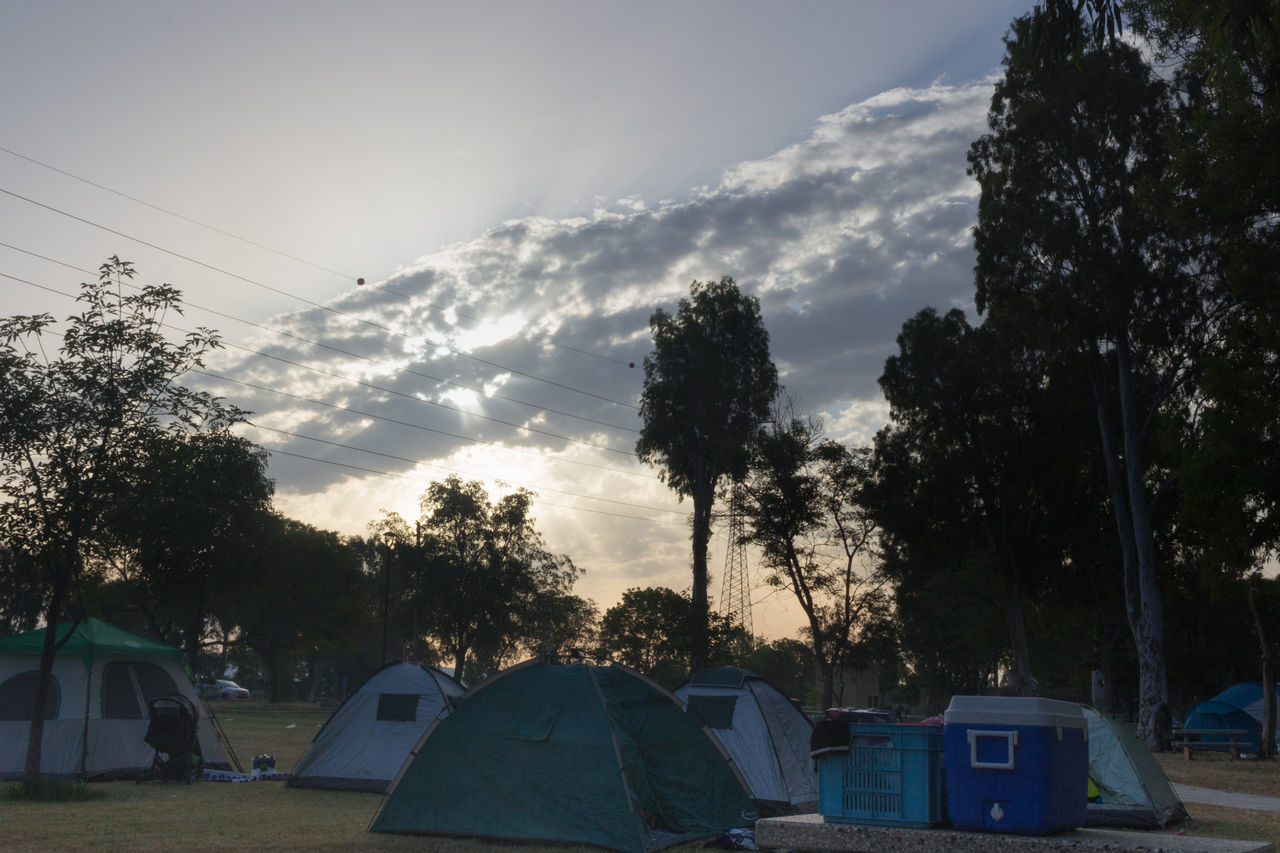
{"points": [[529, 330]]}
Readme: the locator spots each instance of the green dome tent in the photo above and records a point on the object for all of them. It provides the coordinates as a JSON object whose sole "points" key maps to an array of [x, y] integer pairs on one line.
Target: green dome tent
{"points": [[579, 754], [1132, 788]]}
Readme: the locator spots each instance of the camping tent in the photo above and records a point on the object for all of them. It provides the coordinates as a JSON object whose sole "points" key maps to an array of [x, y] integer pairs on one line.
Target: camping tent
{"points": [[580, 754], [365, 742], [1237, 707], [103, 679], [764, 733], [1133, 790]]}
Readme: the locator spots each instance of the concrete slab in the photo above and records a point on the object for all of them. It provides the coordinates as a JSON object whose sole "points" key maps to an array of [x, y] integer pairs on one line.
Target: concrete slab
{"points": [[811, 832]]}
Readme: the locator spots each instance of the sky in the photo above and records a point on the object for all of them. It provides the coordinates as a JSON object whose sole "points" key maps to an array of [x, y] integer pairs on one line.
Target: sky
{"points": [[520, 185]]}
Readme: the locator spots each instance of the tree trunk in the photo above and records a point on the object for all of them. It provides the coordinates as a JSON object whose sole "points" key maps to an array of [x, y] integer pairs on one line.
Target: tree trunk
{"points": [[1154, 719], [1267, 740], [827, 676], [1022, 682], [699, 639], [48, 651], [1132, 514]]}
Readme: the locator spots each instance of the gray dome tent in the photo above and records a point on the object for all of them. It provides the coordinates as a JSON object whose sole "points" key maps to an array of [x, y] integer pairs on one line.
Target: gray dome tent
{"points": [[765, 734], [368, 738], [1133, 790]]}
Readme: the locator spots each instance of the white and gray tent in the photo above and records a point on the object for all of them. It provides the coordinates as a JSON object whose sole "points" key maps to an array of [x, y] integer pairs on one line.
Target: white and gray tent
{"points": [[1133, 789], [369, 736], [764, 733], [104, 678]]}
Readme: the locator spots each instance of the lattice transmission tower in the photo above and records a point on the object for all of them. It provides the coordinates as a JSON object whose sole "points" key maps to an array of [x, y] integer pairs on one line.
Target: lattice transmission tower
{"points": [[735, 593]]}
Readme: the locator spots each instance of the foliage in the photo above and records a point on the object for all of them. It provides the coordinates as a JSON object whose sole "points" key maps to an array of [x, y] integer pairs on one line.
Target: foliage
{"points": [[1069, 251], [708, 385], [805, 510], [185, 540], [648, 630], [788, 664], [304, 593], [492, 580], [983, 437], [73, 427]]}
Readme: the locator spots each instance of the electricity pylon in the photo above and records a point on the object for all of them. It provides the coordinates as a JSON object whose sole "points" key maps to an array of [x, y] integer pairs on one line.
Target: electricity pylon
{"points": [[735, 594]]}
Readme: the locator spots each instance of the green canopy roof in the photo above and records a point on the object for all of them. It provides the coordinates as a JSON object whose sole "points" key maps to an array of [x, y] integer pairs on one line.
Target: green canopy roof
{"points": [[91, 637]]}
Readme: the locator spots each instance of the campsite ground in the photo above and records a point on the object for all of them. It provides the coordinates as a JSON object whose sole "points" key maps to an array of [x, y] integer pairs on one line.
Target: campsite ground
{"points": [[266, 816]]}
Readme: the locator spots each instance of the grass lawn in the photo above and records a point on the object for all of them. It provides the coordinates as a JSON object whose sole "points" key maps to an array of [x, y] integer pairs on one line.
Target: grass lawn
{"points": [[267, 816]]}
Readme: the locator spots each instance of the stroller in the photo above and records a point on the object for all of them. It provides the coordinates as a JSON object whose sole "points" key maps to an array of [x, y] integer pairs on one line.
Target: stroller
{"points": [[171, 731]]}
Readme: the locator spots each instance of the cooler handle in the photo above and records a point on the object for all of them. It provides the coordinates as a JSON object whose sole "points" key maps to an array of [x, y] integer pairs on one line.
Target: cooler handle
{"points": [[974, 734]]}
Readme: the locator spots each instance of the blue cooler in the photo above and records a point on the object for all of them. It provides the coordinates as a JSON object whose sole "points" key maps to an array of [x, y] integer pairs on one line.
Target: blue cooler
{"points": [[1016, 764]]}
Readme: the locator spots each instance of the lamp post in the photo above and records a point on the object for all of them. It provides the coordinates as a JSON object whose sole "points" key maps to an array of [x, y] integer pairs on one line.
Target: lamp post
{"points": [[386, 589]]}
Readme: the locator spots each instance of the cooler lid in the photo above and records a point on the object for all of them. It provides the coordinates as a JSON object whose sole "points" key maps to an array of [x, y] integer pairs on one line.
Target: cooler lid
{"points": [[1013, 711]]}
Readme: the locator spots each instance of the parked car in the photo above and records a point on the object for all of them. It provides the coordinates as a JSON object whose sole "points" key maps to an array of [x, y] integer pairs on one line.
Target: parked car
{"points": [[221, 688]]}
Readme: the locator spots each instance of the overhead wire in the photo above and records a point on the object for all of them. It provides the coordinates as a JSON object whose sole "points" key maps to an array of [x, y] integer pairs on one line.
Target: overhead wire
{"points": [[266, 248], [340, 351], [420, 462], [385, 419], [329, 308], [363, 469], [379, 388]]}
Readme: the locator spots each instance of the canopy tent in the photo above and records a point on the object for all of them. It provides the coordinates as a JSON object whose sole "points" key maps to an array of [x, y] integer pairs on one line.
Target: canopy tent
{"points": [[579, 754], [1132, 788], [764, 733], [1237, 707], [104, 677], [366, 741]]}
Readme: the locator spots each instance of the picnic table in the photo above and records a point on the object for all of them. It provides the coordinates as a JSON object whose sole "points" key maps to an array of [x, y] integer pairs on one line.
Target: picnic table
{"points": [[1190, 740]]}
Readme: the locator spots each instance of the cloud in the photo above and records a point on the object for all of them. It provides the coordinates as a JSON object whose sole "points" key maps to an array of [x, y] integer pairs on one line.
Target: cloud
{"points": [[507, 355]]}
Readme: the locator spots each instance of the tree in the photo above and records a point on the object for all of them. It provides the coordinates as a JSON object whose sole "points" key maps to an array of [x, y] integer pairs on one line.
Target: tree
{"points": [[982, 428], [305, 593], [648, 630], [1068, 251], [804, 508], [1224, 188], [186, 533], [73, 427], [489, 572], [708, 385]]}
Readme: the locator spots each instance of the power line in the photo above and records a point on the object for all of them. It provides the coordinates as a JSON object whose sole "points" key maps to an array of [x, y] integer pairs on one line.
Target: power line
{"points": [[396, 458], [274, 251], [372, 387], [175, 214], [321, 306], [400, 458], [420, 480], [408, 424], [339, 350]]}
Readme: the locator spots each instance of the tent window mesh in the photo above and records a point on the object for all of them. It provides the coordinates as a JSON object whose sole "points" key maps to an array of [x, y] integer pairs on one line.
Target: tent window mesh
{"points": [[18, 697], [399, 707], [128, 687], [715, 711]]}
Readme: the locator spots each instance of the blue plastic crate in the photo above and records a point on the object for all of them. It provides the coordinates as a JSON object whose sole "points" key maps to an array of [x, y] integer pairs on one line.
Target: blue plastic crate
{"points": [[891, 775]]}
